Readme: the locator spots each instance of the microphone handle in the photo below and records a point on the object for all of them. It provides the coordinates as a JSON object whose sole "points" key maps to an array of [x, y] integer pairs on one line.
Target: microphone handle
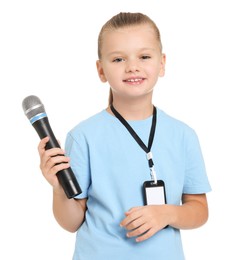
{"points": [[66, 177]]}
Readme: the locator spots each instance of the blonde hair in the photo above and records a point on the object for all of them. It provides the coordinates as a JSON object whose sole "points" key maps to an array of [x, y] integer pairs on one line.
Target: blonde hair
{"points": [[124, 20]]}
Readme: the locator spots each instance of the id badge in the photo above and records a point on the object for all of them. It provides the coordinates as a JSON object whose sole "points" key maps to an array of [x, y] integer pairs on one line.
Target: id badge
{"points": [[154, 193]]}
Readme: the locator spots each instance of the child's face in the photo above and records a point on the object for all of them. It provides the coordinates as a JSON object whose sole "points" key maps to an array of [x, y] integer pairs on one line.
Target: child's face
{"points": [[131, 61]]}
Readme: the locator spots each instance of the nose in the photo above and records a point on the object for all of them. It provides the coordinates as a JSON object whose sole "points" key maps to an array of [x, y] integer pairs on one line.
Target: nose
{"points": [[132, 66]]}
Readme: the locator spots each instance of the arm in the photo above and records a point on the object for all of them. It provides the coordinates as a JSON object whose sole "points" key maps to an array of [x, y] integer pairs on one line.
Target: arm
{"points": [[192, 214], [69, 213], [145, 221]]}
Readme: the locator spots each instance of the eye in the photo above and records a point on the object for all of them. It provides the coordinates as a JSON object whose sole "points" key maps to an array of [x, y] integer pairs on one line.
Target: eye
{"points": [[145, 57], [118, 60]]}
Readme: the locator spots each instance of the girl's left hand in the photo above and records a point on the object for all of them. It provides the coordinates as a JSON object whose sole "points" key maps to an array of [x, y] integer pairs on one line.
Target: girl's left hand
{"points": [[143, 222]]}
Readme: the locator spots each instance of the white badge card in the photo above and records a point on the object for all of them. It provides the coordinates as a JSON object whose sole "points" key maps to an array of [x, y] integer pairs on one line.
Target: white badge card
{"points": [[154, 193]]}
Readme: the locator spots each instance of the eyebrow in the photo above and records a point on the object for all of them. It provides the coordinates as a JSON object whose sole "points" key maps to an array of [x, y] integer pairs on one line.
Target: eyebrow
{"points": [[121, 52]]}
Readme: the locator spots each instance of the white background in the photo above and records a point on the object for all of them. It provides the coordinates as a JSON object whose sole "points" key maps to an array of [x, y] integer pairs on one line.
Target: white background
{"points": [[49, 48]]}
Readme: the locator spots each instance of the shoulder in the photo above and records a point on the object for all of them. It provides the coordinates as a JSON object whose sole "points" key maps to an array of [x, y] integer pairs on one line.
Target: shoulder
{"points": [[175, 132], [91, 125], [172, 124]]}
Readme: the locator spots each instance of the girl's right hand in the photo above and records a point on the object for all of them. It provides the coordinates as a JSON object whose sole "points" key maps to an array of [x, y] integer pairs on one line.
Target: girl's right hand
{"points": [[52, 161]]}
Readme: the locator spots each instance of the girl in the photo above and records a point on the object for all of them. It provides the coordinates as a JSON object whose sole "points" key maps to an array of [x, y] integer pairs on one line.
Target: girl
{"points": [[110, 215]]}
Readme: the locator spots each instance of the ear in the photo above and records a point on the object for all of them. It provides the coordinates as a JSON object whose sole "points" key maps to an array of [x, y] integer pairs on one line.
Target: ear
{"points": [[100, 71], [163, 63]]}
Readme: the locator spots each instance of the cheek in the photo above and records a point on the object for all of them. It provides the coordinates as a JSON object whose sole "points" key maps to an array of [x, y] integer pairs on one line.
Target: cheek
{"points": [[112, 76], [157, 70], [152, 71]]}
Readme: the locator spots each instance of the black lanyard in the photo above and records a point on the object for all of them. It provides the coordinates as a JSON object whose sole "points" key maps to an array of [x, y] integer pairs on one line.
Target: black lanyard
{"points": [[147, 149]]}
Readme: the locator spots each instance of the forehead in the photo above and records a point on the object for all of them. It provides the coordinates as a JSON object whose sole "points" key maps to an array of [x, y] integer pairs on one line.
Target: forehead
{"points": [[136, 36], [133, 30]]}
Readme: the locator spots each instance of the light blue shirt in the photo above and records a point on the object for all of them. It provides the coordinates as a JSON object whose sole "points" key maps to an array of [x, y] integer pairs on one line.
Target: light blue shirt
{"points": [[111, 168]]}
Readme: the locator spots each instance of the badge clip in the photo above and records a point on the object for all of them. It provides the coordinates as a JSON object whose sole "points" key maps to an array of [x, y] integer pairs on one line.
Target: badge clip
{"points": [[153, 175]]}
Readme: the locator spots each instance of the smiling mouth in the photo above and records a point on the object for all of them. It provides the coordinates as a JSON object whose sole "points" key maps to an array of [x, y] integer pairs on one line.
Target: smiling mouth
{"points": [[138, 80]]}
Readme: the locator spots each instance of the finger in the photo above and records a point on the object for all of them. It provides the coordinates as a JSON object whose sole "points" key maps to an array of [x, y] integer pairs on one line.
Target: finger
{"points": [[42, 144], [139, 231], [126, 221], [131, 210], [135, 224], [54, 164], [57, 160], [53, 152], [50, 152], [58, 167], [146, 235], [132, 214]]}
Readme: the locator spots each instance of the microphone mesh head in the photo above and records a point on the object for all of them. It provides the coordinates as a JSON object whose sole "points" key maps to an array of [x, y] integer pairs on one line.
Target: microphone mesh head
{"points": [[32, 106]]}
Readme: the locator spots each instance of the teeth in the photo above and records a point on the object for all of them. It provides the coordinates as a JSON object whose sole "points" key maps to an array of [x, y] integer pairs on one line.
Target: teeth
{"points": [[133, 80]]}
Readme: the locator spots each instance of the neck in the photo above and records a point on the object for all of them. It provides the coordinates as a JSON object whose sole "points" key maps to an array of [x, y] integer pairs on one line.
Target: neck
{"points": [[133, 110]]}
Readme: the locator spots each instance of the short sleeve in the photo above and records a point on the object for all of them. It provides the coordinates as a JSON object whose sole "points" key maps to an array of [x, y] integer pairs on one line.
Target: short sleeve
{"points": [[77, 149], [196, 180]]}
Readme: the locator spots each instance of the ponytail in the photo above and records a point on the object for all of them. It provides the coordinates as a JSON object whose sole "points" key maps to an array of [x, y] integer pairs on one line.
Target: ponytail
{"points": [[110, 97]]}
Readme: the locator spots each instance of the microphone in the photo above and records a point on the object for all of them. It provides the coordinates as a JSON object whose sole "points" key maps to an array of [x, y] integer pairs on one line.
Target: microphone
{"points": [[35, 112]]}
